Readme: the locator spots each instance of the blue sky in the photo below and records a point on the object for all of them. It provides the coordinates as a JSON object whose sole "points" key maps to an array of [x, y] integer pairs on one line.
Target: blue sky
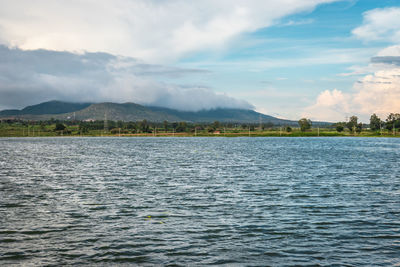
{"points": [[287, 58], [294, 60]]}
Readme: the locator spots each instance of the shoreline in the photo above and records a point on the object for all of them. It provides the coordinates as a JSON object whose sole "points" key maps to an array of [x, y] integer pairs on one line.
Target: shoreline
{"points": [[203, 136]]}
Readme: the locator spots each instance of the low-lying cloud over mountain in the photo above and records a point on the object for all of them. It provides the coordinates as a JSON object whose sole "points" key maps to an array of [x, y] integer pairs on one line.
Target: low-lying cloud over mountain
{"points": [[163, 33], [29, 77]]}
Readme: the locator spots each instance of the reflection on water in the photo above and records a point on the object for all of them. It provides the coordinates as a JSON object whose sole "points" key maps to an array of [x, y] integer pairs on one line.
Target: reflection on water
{"points": [[255, 201]]}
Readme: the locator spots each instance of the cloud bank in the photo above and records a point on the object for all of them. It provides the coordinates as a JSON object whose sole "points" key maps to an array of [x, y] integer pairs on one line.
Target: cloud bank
{"points": [[30, 77], [153, 30]]}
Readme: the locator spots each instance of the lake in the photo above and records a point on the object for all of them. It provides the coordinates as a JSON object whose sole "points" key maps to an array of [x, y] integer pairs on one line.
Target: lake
{"points": [[200, 201]]}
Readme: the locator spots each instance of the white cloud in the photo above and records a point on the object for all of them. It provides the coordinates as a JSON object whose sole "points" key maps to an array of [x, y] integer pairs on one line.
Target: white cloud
{"points": [[329, 106], [378, 91], [390, 51], [149, 29], [375, 93], [380, 24], [298, 22]]}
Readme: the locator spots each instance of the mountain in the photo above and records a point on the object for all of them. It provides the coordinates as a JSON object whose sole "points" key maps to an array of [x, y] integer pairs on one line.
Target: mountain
{"points": [[50, 107], [135, 112], [123, 112], [223, 115]]}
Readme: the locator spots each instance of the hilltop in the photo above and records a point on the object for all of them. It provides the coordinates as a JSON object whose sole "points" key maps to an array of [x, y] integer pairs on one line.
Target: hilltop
{"points": [[135, 112]]}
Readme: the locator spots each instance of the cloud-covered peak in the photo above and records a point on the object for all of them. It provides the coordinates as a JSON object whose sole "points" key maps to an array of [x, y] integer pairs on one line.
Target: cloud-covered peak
{"points": [[30, 77]]}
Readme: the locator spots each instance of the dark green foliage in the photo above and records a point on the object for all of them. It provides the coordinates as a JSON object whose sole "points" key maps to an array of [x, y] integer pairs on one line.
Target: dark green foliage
{"points": [[59, 127], [339, 128], [359, 127], [210, 129], [115, 131], [83, 128], [144, 127], [130, 126], [288, 129], [182, 126], [352, 124], [375, 122], [393, 120], [305, 124], [120, 124]]}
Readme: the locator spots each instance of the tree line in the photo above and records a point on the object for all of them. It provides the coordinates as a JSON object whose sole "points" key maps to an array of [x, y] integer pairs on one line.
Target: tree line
{"points": [[392, 122]]}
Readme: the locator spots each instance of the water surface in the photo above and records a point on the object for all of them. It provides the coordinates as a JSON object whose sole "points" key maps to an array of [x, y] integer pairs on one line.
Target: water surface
{"points": [[188, 201]]}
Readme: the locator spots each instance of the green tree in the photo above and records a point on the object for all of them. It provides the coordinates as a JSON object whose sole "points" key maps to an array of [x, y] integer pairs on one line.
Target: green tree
{"points": [[182, 126], [42, 126], [165, 123], [131, 126], [352, 124], [305, 124], [393, 120], [83, 128], [339, 127], [375, 122], [359, 127], [59, 127], [210, 129], [144, 126], [120, 124], [288, 129], [216, 125]]}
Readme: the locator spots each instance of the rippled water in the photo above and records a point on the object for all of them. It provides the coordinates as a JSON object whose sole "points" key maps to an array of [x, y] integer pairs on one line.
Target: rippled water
{"points": [[188, 201]]}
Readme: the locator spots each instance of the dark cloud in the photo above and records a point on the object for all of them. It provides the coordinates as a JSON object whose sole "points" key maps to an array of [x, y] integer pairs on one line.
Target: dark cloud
{"points": [[392, 60], [29, 77]]}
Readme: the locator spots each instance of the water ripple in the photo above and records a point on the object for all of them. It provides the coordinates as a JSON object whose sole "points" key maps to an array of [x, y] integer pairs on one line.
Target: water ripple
{"points": [[189, 201]]}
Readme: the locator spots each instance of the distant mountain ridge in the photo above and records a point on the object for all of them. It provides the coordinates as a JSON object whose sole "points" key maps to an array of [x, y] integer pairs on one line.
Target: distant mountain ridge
{"points": [[50, 107], [134, 112]]}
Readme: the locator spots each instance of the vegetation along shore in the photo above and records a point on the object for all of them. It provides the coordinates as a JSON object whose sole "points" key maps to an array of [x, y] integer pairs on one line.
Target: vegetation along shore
{"points": [[25, 128]]}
